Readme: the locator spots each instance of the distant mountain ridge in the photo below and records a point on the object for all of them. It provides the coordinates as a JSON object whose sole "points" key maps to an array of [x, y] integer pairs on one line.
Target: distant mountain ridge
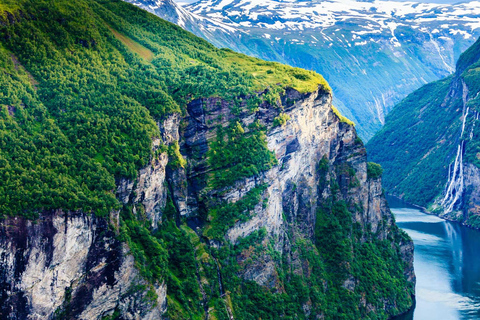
{"points": [[373, 53], [216, 32]]}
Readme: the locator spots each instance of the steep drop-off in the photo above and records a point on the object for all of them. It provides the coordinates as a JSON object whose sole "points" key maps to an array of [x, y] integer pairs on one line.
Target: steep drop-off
{"points": [[429, 146], [373, 53], [146, 174]]}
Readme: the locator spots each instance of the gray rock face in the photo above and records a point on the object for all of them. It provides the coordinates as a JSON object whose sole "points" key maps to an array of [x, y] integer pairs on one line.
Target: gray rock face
{"points": [[150, 188], [72, 265], [471, 196], [69, 265], [292, 194], [312, 132]]}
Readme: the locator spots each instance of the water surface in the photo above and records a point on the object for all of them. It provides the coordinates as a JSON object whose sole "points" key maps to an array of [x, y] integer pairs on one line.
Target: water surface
{"points": [[447, 265]]}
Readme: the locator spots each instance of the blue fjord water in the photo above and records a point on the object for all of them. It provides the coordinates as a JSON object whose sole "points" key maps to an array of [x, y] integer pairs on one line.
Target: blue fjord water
{"points": [[447, 265]]}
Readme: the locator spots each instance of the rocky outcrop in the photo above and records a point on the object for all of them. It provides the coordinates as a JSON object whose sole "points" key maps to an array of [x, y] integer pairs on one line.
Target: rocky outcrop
{"points": [[472, 181], [70, 265], [149, 190], [294, 187]]}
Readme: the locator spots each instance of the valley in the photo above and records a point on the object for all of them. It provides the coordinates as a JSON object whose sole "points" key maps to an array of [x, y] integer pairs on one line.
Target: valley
{"points": [[432, 142], [232, 159]]}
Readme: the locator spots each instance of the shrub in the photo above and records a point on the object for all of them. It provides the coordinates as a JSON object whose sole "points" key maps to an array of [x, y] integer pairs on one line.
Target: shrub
{"points": [[281, 119], [374, 170]]}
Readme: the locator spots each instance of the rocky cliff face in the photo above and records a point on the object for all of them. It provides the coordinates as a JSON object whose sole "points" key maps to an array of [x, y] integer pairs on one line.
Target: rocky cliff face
{"points": [[72, 265], [240, 199], [460, 199], [292, 192]]}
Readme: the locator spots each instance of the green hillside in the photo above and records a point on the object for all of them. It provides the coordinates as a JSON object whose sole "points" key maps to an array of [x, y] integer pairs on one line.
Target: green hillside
{"points": [[420, 138], [81, 88]]}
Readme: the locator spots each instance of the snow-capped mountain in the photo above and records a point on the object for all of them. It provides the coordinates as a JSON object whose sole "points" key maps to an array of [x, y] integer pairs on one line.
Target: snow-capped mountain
{"points": [[215, 31], [373, 53], [370, 16]]}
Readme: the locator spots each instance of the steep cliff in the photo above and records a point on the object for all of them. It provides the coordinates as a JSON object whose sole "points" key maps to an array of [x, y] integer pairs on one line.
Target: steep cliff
{"points": [[429, 145], [308, 229], [373, 53], [146, 174], [69, 265]]}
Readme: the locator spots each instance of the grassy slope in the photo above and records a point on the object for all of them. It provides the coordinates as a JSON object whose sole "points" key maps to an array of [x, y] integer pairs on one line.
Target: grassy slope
{"points": [[103, 71]]}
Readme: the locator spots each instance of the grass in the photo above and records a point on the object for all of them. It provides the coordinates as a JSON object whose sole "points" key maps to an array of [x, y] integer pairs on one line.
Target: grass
{"points": [[134, 46], [341, 117], [267, 73], [8, 6]]}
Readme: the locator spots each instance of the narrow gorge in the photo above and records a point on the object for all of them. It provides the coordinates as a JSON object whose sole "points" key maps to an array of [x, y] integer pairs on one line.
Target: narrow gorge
{"points": [[433, 157]]}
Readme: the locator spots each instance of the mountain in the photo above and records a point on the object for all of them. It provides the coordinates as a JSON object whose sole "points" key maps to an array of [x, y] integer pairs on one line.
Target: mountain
{"points": [[147, 174], [373, 53], [215, 32], [429, 146]]}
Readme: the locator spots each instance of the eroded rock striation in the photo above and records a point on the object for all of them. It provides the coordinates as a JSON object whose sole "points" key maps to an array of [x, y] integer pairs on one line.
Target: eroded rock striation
{"points": [[69, 265], [73, 265]]}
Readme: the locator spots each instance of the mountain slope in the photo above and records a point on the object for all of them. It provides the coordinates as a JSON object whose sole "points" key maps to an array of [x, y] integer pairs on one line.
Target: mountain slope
{"points": [[429, 147], [147, 174], [372, 53], [215, 32]]}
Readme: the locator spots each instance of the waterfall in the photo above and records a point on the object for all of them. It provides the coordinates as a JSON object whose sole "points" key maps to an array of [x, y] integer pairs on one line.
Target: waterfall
{"points": [[455, 181], [219, 278], [455, 186], [222, 292]]}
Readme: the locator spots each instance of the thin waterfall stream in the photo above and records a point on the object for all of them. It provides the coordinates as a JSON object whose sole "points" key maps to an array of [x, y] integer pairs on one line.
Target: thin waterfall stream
{"points": [[455, 184]]}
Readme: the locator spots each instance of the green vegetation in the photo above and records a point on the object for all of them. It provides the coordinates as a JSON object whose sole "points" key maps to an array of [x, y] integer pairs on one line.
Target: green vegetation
{"points": [[175, 157], [136, 47], [237, 154], [341, 250], [420, 138], [281, 119], [149, 252], [417, 143], [81, 88], [184, 297], [469, 58], [224, 216], [374, 264], [115, 315], [266, 73], [341, 117], [374, 170]]}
